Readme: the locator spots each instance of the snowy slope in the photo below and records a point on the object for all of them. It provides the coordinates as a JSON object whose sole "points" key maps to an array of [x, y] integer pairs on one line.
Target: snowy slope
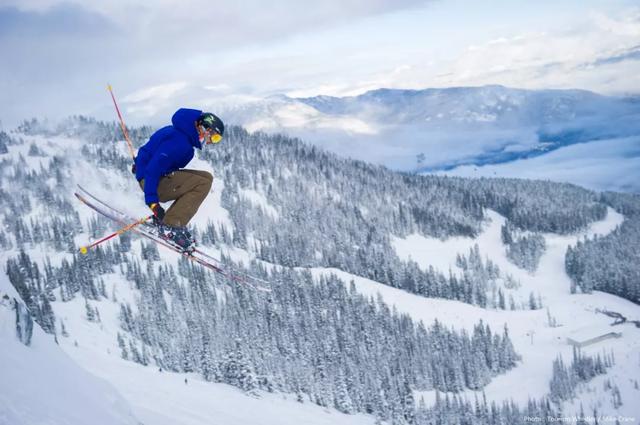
{"points": [[533, 338], [40, 384], [163, 398], [156, 398]]}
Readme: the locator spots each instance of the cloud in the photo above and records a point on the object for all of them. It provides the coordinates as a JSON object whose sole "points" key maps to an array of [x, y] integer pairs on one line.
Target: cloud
{"points": [[150, 100], [51, 56], [61, 20], [208, 25], [628, 54], [58, 56], [625, 25], [600, 165], [593, 51], [580, 56]]}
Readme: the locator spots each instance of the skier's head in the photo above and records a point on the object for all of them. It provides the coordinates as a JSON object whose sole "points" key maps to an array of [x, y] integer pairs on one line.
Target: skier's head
{"points": [[210, 128]]}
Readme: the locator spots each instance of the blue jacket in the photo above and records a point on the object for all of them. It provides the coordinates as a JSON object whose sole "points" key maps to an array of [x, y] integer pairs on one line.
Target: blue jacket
{"points": [[168, 150]]}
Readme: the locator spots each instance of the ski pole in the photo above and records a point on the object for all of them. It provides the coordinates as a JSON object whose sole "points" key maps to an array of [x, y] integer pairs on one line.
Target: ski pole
{"points": [[128, 227], [122, 125]]}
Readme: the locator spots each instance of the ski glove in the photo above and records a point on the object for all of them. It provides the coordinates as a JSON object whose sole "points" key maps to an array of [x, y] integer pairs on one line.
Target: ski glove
{"points": [[158, 211]]}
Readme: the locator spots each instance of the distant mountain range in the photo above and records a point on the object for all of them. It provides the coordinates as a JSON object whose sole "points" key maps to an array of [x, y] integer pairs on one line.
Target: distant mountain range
{"points": [[441, 129]]}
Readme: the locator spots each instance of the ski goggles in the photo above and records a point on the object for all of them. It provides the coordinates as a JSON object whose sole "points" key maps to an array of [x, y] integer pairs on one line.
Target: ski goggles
{"points": [[210, 136], [215, 138]]}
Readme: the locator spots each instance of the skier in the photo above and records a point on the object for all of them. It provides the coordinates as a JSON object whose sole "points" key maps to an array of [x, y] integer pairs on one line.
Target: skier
{"points": [[159, 170]]}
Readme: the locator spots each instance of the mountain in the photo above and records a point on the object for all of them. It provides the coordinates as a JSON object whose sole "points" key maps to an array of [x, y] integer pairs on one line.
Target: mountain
{"points": [[396, 298], [443, 129]]}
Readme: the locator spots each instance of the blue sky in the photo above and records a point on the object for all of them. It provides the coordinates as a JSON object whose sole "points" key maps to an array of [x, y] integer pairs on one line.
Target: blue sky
{"points": [[59, 56]]}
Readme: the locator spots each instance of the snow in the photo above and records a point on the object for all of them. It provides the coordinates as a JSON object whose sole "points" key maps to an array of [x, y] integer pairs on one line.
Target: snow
{"points": [[95, 375], [257, 199], [41, 385], [441, 254], [586, 333], [56, 385], [163, 398], [533, 338]]}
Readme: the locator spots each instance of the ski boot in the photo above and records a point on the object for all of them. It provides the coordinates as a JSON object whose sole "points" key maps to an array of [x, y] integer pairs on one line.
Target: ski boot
{"points": [[179, 236]]}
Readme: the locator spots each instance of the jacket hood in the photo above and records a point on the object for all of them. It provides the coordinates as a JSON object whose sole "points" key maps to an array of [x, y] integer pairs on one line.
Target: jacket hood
{"points": [[184, 121]]}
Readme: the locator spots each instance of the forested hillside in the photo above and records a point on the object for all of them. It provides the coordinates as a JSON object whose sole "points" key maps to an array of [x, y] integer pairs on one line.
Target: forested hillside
{"points": [[293, 206]]}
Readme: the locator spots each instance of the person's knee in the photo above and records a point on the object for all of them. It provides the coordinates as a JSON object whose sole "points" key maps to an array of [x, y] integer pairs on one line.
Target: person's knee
{"points": [[207, 180]]}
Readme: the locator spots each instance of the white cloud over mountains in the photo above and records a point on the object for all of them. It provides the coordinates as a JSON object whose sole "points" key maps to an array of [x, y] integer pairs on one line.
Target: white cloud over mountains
{"points": [[599, 165], [228, 56]]}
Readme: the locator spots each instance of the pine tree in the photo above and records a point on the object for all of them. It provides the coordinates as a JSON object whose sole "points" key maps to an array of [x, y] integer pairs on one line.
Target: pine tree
{"points": [[90, 313], [123, 348], [63, 329], [342, 399]]}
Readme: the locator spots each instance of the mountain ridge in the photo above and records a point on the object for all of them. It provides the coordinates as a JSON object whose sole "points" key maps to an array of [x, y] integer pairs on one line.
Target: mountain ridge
{"points": [[440, 129]]}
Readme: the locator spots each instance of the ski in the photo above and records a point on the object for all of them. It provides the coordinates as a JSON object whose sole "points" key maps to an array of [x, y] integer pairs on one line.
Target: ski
{"points": [[124, 217], [147, 230]]}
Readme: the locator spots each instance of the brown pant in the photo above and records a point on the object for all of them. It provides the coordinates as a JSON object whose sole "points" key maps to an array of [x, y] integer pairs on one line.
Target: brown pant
{"points": [[188, 188]]}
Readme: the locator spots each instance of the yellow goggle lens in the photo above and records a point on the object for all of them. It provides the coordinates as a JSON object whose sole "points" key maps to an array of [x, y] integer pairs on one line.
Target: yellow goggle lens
{"points": [[215, 138]]}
